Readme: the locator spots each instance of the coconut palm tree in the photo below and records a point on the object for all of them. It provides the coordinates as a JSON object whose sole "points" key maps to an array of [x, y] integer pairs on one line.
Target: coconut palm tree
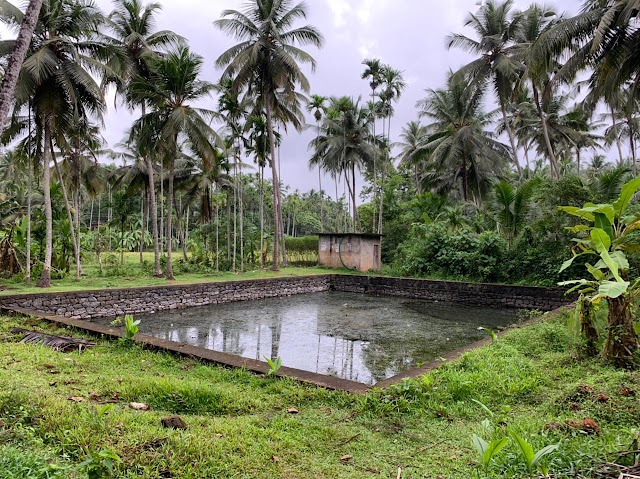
{"points": [[374, 72], [131, 25], [603, 37], [317, 105], [413, 152], [170, 90], [80, 148], [56, 82], [28, 22], [628, 128], [267, 61], [460, 146], [345, 143], [495, 26], [393, 85], [539, 63]]}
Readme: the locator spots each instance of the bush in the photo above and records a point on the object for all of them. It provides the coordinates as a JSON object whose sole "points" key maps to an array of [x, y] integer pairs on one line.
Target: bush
{"points": [[434, 250]]}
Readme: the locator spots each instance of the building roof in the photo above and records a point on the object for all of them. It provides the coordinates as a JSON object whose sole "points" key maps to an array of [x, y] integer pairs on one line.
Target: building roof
{"points": [[360, 235]]}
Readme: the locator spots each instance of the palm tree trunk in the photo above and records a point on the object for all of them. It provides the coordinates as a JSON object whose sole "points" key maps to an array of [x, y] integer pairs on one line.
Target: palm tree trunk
{"points": [[320, 182], [512, 138], [356, 221], [545, 132], [10, 80], [45, 278], [77, 214], [217, 237], [277, 219], [465, 186], [383, 174], [241, 204], [157, 270], [229, 225], [578, 159], [614, 123], [634, 162], [375, 172], [161, 237], [235, 215], [142, 225], [170, 216], [67, 206], [27, 275], [262, 254]]}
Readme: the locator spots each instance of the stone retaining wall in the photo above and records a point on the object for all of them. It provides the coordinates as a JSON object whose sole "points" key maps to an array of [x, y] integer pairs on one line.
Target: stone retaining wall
{"points": [[495, 295], [117, 302]]}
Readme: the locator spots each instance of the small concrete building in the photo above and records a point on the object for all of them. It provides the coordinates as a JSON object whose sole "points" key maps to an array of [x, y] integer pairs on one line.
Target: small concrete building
{"points": [[350, 250]]}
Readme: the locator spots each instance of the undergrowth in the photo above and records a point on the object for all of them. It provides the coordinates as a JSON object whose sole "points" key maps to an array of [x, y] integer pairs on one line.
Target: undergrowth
{"points": [[239, 425]]}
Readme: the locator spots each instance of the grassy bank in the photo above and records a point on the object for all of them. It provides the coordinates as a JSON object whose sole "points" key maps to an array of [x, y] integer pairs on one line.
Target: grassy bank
{"points": [[238, 424], [132, 274]]}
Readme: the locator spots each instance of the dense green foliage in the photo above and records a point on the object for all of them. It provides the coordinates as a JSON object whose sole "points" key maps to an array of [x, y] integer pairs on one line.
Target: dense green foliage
{"points": [[463, 192]]}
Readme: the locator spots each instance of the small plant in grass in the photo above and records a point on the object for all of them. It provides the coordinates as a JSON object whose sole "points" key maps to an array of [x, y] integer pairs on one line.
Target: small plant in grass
{"points": [[533, 460], [274, 366], [100, 465], [130, 328], [488, 450], [492, 334]]}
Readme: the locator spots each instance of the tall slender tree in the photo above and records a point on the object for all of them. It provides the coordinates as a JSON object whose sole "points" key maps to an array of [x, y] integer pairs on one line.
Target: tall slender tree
{"points": [[56, 82], [267, 61], [28, 23], [131, 25], [170, 90], [496, 26], [318, 106]]}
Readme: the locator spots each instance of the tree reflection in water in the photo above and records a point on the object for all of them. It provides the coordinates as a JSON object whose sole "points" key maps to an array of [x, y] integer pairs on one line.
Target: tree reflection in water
{"points": [[357, 337]]}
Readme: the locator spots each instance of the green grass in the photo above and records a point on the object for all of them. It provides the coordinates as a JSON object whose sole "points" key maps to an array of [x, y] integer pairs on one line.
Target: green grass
{"points": [[132, 274], [239, 427]]}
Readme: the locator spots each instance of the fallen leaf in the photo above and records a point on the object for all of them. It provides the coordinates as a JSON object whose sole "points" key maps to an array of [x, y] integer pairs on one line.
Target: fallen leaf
{"points": [[1, 423], [602, 397], [68, 359], [292, 410], [139, 406], [76, 398], [346, 457], [219, 436], [275, 458], [53, 383]]}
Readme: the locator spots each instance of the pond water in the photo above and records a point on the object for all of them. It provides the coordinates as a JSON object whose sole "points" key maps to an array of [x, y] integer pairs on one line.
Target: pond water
{"points": [[352, 336]]}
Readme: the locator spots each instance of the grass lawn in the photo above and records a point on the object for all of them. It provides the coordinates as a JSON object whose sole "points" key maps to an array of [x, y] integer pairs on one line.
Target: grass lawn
{"points": [[239, 426], [132, 274]]}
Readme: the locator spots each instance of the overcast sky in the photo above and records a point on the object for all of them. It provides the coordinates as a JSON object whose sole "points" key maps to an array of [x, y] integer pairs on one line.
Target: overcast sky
{"points": [[407, 34]]}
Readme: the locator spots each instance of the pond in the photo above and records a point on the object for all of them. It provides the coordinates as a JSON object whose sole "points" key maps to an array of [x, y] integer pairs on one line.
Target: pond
{"points": [[351, 336]]}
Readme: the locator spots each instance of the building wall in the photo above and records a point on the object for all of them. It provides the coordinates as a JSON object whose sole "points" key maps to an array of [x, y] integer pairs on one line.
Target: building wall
{"points": [[357, 252]]}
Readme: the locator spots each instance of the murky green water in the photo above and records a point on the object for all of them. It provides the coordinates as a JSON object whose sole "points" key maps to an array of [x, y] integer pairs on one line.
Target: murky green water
{"points": [[352, 336]]}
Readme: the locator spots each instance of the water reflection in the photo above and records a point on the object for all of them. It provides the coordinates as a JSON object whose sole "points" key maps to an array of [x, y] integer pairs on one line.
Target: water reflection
{"points": [[356, 337]]}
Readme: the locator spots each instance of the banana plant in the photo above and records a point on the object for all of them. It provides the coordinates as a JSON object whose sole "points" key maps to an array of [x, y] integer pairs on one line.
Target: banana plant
{"points": [[605, 235]]}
